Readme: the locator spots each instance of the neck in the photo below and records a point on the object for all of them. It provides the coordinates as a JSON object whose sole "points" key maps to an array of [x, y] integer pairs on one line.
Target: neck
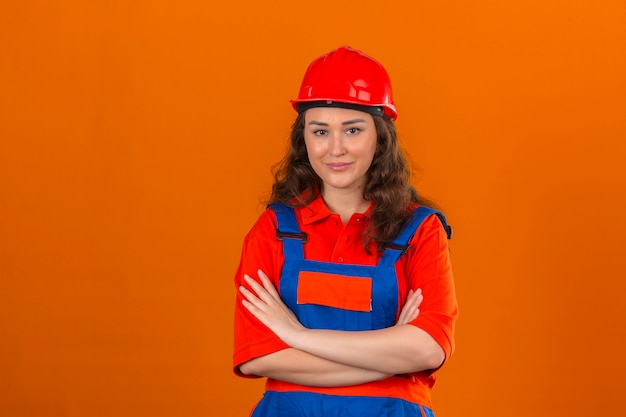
{"points": [[345, 203]]}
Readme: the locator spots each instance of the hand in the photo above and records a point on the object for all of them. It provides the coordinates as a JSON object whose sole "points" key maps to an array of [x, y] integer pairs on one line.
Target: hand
{"points": [[410, 309], [266, 305]]}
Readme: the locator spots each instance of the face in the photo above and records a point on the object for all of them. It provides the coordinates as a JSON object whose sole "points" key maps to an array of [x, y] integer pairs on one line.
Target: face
{"points": [[340, 144]]}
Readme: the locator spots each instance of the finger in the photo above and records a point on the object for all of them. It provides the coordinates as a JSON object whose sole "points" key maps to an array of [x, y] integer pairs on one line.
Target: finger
{"points": [[412, 299], [255, 311], [417, 292], [267, 284], [415, 298], [419, 297], [251, 307], [415, 302], [406, 317], [259, 298], [406, 314], [250, 297], [411, 314], [403, 317], [410, 309], [260, 291]]}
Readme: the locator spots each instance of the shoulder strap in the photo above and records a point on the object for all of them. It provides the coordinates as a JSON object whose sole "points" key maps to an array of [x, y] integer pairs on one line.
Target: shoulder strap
{"points": [[417, 217], [399, 246], [288, 231]]}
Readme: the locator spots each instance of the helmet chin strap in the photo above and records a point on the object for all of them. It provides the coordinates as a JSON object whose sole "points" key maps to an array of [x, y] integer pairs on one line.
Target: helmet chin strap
{"points": [[373, 110]]}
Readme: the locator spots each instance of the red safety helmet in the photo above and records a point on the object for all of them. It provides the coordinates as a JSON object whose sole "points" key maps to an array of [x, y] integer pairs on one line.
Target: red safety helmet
{"points": [[346, 76]]}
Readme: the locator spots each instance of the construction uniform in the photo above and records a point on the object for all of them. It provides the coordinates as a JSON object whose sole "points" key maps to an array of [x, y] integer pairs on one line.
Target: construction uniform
{"points": [[326, 277]]}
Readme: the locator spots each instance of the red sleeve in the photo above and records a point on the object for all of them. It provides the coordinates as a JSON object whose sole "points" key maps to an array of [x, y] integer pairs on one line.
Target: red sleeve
{"points": [[429, 268], [261, 250]]}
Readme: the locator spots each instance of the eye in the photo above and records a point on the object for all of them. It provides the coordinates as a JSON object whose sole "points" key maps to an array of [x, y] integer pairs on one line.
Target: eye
{"points": [[353, 130], [319, 132]]}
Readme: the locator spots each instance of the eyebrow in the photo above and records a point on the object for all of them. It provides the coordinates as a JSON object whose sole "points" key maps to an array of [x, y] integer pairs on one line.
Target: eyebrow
{"points": [[347, 122]]}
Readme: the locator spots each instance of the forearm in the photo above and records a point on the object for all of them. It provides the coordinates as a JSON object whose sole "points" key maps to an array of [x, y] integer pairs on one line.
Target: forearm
{"points": [[398, 349], [296, 366], [394, 350]]}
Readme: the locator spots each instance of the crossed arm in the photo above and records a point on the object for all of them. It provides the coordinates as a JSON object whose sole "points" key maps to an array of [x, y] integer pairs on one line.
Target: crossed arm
{"points": [[333, 357]]}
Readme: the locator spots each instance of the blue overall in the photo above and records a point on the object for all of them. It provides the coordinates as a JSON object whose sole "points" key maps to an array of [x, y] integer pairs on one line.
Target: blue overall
{"points": [[382, 314]]}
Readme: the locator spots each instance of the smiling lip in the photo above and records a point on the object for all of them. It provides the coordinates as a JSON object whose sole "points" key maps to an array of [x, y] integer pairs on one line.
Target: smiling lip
{"points": [[338, 166]]}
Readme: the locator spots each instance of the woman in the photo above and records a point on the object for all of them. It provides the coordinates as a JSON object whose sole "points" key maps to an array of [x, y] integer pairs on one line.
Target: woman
{"points": [[346, 300]]}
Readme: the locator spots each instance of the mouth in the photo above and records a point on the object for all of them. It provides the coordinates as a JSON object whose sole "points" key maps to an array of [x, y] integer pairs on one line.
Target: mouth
{"points": [[338, 166]]}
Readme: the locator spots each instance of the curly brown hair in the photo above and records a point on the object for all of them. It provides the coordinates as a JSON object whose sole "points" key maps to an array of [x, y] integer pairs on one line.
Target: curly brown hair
{"points": [[388, 182]]}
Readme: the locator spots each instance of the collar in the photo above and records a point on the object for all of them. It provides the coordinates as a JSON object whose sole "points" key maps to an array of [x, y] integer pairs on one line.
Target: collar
{"points": [[317, 210]]}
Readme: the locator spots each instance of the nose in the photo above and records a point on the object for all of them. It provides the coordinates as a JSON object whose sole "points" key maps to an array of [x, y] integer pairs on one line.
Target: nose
{"points": [[335, 146]]}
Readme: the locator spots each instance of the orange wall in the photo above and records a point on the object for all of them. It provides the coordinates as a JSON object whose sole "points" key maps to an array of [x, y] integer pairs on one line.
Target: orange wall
{"points": [[135, 144]]}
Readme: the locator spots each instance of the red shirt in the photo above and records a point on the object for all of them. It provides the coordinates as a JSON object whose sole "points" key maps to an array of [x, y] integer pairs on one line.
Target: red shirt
{"points": [[426, 265]]}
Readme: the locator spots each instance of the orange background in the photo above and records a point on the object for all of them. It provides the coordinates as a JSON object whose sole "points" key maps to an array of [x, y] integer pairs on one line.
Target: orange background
{"points": [[135, 145]]}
